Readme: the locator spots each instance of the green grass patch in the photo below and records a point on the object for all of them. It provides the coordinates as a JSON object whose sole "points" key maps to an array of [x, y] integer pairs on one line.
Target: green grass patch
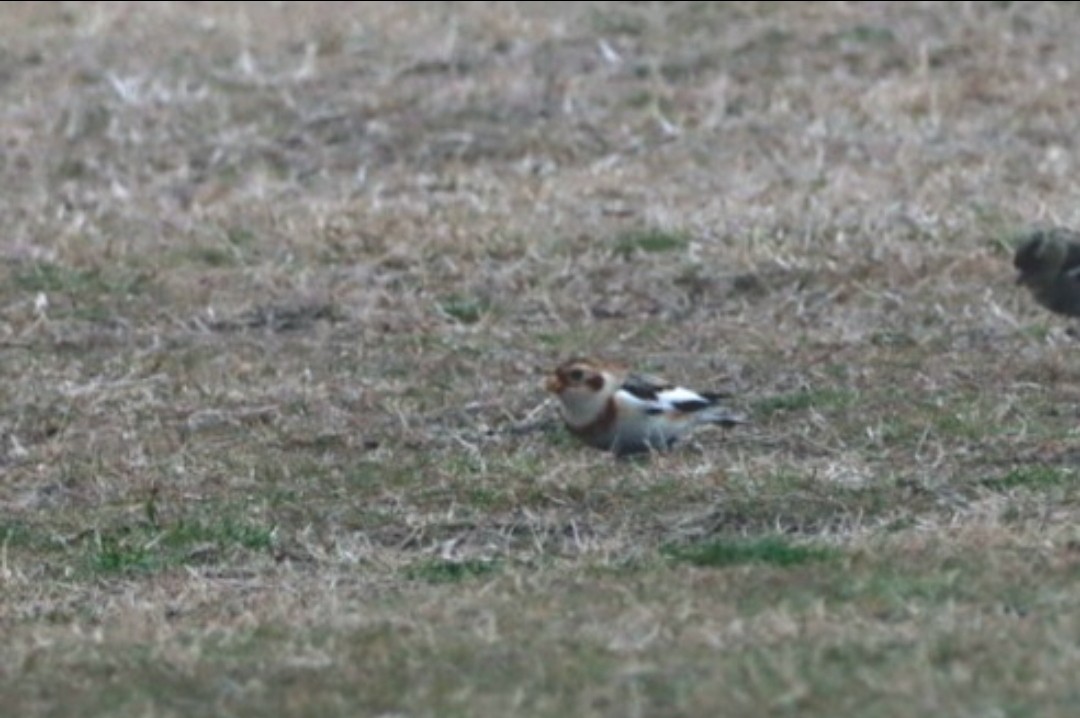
{"points": [[214, 256], [119, 554], [1031, 477], [52, 277], [146, 548], [577, 340], [241, 237], [964, 426], [616, 21], [442, 571], [466, 310], [1039, 332], [774, 550], [640, 99], [890, 591], [484, 497], [790, 501], [228, 253], [650, 241], [804, 399], [892, 339], [863, 35], [19, 535]]}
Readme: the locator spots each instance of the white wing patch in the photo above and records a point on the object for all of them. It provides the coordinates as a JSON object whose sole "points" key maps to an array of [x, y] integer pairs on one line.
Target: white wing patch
{"points": [[665, 401], [636, 402], [676, 395]]}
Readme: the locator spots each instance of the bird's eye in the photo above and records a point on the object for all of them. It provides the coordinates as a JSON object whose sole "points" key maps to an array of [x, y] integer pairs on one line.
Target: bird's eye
{"points": [[576, 375]]}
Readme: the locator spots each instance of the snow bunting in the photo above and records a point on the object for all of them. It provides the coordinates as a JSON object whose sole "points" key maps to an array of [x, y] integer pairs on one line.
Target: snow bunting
{"points": [[609, 408], [1049, 264]]}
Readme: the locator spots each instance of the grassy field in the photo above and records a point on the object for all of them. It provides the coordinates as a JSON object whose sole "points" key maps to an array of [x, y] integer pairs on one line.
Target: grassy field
{"points": [[280, 283]]}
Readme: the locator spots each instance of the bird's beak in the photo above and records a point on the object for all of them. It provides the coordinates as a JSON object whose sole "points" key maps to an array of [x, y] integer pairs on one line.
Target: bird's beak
{"points": [[554, 384]]}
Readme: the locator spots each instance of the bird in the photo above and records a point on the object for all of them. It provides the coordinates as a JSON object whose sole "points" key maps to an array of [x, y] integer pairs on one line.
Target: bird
{"points": [[1049, 264], [610, 408]]}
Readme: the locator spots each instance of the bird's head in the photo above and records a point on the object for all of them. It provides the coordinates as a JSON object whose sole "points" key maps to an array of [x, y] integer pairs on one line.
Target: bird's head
{"points": [[1041, 255], [583, 385]]}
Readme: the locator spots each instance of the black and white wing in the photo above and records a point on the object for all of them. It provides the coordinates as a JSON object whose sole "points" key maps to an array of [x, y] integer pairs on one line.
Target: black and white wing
{"points": [[656, 396]]}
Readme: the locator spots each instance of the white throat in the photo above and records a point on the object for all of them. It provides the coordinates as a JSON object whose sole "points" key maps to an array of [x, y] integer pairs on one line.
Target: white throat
{"points": [[581, 406]]}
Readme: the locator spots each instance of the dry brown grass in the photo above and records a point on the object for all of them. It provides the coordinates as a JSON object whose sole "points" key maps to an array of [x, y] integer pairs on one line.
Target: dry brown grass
{"points": [[279, 282]]}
